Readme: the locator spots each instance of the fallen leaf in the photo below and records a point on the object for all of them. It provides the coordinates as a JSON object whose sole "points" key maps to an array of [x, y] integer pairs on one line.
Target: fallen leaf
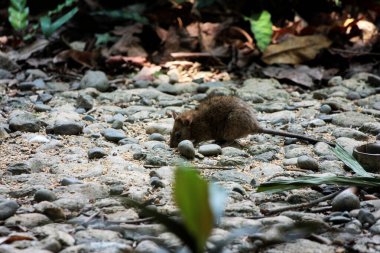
{"points": [[302, 75], [88, 58], [16, 237], [146, 73], [27, 51], [295, 50]]}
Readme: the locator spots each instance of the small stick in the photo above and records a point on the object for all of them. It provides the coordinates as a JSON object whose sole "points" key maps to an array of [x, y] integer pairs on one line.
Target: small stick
{"points": [[303, 205], [137, 221], [199, 167]]}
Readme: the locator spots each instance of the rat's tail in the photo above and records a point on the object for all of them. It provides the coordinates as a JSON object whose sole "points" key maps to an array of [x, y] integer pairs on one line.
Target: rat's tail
{"points": [[294, 135]]}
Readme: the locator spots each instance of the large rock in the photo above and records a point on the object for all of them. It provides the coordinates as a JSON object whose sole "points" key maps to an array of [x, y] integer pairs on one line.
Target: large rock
{"points": [[25, 121]]}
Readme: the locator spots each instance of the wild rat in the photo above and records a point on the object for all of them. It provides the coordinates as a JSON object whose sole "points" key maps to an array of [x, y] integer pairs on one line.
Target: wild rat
{"points": [[224, 119]]}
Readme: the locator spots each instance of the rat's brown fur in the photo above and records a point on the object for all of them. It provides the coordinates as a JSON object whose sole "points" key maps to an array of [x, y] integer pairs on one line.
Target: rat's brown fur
{"points": [[221, 118]]}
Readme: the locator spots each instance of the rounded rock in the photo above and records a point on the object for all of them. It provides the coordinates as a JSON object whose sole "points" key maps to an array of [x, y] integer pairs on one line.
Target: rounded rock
{"points": [[117, 124], [210, 149], [325, 109], [353, 95], [95, 79], [44, 195], [366, 217], [26, 122], [114, 135], [85, 102], [345, 201], [307, 163], [156, 182], [69, 181], [7, 208], [96, 152], [156, 137], [186, 148], [66, 127]]}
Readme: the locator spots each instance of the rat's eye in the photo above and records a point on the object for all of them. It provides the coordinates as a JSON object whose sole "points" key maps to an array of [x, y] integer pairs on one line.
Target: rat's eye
{"points": [[178, 135]]}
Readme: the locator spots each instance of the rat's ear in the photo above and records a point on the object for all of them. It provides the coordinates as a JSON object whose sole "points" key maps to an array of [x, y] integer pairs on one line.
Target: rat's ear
{"points": [[174, 114], [186, 120]]}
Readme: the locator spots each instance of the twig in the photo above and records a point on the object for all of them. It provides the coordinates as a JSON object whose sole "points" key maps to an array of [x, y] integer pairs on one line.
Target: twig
{"points": [[194, 55], [320, 239], [298, 206], [138, 220], [199, 167], [91, 218]]}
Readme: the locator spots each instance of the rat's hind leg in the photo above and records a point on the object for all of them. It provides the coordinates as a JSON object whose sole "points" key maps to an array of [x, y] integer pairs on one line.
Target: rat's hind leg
{"points": [[238, 125]]}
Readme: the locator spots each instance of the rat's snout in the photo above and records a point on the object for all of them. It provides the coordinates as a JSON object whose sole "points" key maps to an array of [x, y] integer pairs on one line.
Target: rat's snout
{"points": [[173, 143]]}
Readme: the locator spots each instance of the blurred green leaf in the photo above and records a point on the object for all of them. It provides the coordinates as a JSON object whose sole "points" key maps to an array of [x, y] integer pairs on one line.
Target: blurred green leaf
{"points": [[191, 193], [199, 4], [286, 185], [48, 28], [349, 160], [104, 38], [132, 12], [261, 27], [18, 14]]}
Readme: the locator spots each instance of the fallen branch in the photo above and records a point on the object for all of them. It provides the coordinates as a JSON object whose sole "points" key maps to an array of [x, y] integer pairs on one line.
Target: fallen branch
{"points": [[299, 206]]}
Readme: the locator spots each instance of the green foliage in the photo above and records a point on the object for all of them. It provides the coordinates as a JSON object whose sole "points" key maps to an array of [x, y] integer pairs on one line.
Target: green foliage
{"points": [[60, 7], [261, 27], [191, 195], [132, 12], [349, 160], [286, 185], [48, 28], [104, 38], [18, 14], [200, 205], [364, 179]]}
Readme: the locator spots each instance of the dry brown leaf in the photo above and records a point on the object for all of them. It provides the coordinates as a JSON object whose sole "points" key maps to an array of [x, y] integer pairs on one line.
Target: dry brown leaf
{"points": [[16, 237], [296, 49], [26, 52], [302, 75], [88, 58]]}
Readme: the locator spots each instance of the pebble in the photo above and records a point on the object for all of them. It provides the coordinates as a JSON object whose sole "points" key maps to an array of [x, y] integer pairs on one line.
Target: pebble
{"points": [[26, 122], [7, 208], [85, 101], [69, 181], [95, 79], [117, 124], [325, 109], [29, 220], [96, 152], [345, 201], [99, 247], [114, 135], [45, 97], [44, 195], [210, 149], [148, 246], [307, 163], [51, 210], [39, 107], [45, 160], [186, 148], [156, 137], [366, 218], [66, 127], [156, 182], [19, 168]]}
